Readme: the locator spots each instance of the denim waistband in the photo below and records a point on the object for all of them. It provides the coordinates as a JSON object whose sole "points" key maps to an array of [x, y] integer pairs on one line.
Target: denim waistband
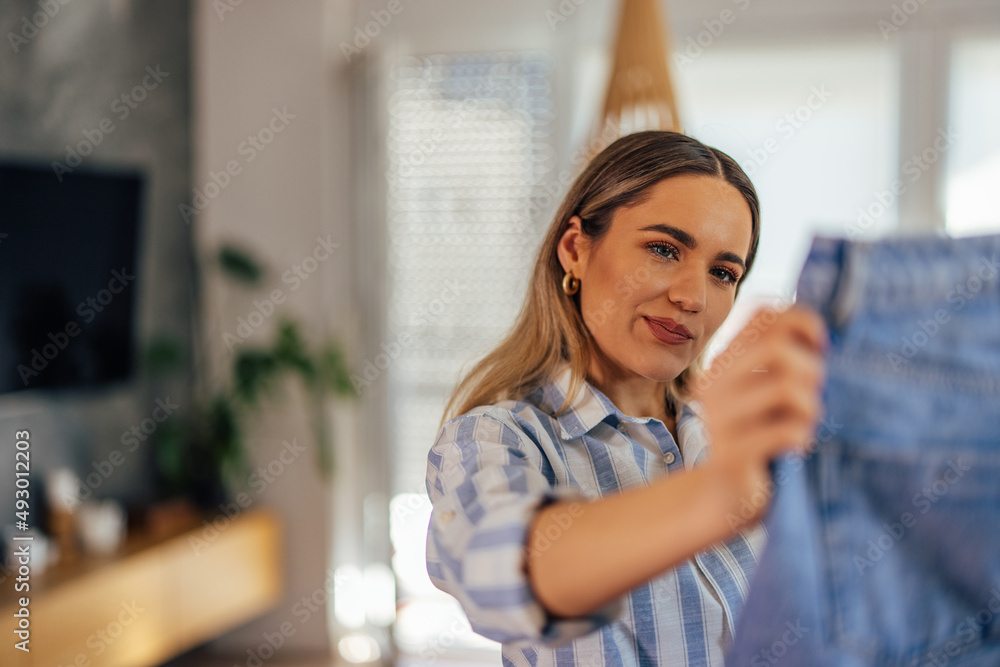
{"points": [[840, 275]]}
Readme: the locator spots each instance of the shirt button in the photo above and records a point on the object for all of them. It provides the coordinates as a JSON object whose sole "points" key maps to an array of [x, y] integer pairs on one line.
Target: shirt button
{"points": [[447, 516], [621, 427], [669, 458]]}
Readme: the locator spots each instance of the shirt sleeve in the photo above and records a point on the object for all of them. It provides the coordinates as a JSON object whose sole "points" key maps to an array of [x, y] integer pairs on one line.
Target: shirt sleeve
{"points": [[485, 482]]}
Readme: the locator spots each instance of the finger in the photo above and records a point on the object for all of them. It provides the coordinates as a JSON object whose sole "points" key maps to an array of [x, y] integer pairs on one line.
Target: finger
{"points": [[806, 327], [780, 358], [766, 334], [801, 324], [757, 326], [774, 359], [790, 403], [734, 364], [771, 401], [780, 437]]}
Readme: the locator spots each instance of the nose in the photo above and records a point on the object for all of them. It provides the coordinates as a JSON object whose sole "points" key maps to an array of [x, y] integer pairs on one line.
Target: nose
{"points": [[687, 289]]}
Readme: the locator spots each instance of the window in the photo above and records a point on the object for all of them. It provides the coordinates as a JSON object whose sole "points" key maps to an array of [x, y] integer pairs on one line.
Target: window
{"points": [[973, 163], [469, 151]]}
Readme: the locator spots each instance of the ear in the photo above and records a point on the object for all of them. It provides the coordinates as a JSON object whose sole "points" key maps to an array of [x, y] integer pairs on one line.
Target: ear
{"points": [[572, 248]]}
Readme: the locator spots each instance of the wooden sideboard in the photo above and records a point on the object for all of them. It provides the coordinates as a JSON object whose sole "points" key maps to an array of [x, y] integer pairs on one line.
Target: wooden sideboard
{"points": [[154, 600]]}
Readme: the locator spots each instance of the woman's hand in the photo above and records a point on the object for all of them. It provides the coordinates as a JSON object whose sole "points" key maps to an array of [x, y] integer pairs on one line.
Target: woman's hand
{"points": [[762, 397], [751, 417]]}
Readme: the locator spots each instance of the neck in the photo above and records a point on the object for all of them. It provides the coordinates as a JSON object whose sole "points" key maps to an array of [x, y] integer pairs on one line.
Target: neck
{"points": [[634, 395]]}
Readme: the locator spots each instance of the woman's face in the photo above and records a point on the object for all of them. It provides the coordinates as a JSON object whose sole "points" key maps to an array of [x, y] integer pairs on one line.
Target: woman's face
{"points": [[663, 278]]}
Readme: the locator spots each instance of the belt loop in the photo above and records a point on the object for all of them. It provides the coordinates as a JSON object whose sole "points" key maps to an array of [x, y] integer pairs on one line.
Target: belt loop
{"points": [[850, 285]]}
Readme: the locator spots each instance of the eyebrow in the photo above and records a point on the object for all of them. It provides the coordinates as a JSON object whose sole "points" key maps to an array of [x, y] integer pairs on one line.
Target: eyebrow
{"points": [[689, 241]]}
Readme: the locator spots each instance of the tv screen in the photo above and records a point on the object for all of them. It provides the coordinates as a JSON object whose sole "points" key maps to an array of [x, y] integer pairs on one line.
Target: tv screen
{"points": [[68, 283]]}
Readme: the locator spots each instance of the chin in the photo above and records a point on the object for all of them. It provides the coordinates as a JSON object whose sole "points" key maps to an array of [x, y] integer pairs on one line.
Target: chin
{"points": [[661, 371]]}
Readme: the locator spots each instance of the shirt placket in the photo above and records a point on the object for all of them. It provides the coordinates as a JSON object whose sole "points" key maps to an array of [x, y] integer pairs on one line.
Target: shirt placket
{"points": [[655, 437]]}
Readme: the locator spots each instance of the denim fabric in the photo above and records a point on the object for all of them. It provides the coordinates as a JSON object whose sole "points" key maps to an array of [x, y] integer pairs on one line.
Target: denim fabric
{"points": [[884, 540]]}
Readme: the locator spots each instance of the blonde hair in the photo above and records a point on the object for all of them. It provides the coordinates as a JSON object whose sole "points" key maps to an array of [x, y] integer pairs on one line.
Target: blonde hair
{"points": [[549, 329]]}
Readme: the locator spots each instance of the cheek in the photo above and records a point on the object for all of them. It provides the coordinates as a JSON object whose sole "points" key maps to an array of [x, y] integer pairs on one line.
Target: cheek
{"points": [[638, 284], [601, 299], [717, 311], [600, 310], [616, 300]]}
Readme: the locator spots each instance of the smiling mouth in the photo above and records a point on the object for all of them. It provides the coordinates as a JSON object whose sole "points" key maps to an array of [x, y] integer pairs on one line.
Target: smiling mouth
{"points": [[669, 331]]}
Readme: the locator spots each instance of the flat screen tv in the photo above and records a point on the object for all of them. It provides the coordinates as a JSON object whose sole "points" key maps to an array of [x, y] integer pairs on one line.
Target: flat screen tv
{"points": [[68, 276]]}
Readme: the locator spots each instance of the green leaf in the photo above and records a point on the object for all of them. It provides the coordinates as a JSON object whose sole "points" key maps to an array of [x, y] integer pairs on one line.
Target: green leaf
{"points": [[253, 371], [225, 437], [239, 265], [164, 354], [291, 352], [324, 453], [169, 449], [336, 374]]}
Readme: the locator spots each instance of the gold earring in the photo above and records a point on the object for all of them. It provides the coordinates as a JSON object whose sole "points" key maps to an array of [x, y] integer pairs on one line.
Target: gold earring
{"points": [[570, 285]]}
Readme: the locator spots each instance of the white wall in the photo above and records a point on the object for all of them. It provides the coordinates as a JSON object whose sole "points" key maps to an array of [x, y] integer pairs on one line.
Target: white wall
{"points": [[246, 63]]}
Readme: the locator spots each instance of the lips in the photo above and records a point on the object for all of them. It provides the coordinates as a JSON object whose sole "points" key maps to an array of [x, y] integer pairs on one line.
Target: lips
{"points": [[668, 331]]}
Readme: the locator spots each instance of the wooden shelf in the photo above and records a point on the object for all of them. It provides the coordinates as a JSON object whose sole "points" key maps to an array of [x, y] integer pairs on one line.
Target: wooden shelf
{"points": [[155, 600]]}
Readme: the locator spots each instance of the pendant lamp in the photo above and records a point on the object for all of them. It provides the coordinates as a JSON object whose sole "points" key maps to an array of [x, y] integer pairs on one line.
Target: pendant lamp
{"points": [[640, 94]]}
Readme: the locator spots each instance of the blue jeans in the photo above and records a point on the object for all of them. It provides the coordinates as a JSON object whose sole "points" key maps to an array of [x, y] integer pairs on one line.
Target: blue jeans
{"points": [[884, 540]]}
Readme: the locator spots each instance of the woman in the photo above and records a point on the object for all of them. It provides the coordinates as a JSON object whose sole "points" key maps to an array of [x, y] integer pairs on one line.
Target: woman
{"points": [[578, 517]]}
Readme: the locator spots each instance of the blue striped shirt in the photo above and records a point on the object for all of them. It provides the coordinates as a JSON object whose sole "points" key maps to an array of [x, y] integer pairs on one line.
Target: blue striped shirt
{"points": [[492, 468]]}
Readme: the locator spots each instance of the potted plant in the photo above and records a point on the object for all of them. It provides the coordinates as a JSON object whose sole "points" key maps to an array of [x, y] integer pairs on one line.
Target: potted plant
{"points": [[202, 455]]}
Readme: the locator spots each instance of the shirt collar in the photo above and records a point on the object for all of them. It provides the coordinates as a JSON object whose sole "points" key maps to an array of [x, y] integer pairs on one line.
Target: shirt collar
{"points": [[591, 407]]}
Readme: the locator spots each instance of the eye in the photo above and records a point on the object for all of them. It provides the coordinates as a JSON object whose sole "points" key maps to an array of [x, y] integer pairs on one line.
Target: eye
{"points": [[661, 249], [725, 275]]}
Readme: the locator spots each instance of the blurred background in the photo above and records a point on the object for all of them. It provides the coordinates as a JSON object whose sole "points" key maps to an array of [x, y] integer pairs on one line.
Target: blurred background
{"points": [[246, 248]]}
